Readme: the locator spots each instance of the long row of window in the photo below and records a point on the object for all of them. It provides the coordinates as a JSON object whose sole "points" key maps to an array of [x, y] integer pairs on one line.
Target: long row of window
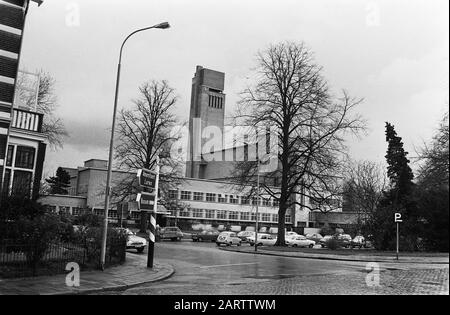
{"points": [[227, 215], [220, 198]]}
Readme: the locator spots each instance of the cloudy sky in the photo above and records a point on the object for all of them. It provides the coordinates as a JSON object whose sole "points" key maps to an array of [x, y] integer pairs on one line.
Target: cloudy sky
{"points": [[392, 53]]}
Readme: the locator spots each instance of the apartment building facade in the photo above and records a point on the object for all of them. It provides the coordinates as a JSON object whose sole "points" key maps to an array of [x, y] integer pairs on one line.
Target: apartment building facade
{"points": [[22, 142]]}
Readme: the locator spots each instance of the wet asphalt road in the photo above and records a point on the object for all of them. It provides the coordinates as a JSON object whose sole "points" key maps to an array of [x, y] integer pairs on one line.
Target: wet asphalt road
{"points": [[202, 268]]}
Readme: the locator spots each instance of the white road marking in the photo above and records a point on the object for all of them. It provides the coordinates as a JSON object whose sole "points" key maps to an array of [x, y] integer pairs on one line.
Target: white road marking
{"points": [[215, 266]]}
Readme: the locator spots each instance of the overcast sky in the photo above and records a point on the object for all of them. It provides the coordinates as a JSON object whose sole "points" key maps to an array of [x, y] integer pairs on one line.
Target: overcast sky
{"points": [[392, 53]]}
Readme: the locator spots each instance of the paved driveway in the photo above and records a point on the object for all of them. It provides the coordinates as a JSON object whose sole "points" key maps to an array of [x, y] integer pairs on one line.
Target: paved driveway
{"points": [[201, 268]]}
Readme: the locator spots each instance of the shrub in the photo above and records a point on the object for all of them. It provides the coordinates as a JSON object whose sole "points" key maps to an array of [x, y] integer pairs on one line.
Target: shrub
{"points": [[37, 234], [89, 220], [332, 243], [326, 230], [91, 239]]}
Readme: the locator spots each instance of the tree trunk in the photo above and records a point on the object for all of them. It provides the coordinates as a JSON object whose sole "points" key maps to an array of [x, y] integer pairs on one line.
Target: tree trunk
{"points": [[281, 226]]}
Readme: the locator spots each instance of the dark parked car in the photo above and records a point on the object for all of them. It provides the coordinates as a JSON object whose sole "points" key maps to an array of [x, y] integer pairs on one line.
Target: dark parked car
{"points": [[343, 240], [210, 236]]}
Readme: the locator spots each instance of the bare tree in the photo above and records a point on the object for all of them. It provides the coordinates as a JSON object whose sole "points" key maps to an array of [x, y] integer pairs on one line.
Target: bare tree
{"points": [[434, 158], [40, 95], [291, 94], [146, 132], [365, 182]]}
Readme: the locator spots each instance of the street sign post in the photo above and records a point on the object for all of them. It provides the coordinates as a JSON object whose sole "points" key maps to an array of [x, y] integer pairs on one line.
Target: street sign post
{"points": [[147, 200], [147, 180], [398, 220]]}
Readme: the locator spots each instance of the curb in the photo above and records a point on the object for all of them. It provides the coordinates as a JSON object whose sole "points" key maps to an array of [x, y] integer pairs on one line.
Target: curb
{"points": [[167, 274], [268, 253]]}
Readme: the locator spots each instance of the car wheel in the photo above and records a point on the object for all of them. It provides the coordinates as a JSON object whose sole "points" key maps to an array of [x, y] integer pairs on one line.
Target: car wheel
{"points": [[200, 239], [229, 244], [311, 245], [218, 244], [239, 244], [260, 244], [140, 249]]}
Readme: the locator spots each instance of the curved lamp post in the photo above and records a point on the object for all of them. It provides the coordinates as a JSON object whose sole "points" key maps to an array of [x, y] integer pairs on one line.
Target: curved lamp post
{"points": [[163, 25]]}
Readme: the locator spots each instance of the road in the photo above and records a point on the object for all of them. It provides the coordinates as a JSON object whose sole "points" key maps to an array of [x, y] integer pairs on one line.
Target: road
{"points": [[202, 268]]}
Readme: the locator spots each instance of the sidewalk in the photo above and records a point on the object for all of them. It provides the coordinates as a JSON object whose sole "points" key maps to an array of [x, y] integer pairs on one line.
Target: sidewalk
{"points": [[444, 259], [132, 273]]}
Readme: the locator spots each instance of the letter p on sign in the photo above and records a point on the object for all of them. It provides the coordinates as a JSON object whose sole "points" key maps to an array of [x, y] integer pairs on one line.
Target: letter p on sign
{"points": [[398, 217]]}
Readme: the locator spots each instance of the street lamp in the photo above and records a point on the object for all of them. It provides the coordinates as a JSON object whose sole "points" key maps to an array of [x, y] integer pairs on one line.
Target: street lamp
{"points": [[163, 25]]}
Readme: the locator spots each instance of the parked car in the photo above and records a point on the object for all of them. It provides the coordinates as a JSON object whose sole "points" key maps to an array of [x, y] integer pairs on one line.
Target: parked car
{"points": [[172, 233], [290, 234], [205, 236], [345, 240], [135, 242], [323, 241], [358, 241], [300, 241], [316, 237], [228, 239], [245, 234], [263, 239]]}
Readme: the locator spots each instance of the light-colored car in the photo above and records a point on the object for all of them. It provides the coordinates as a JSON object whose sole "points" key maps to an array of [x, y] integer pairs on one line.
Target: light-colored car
{"points": [[290, 234], [228, 239], [263, 240], [358, 241], [245, 234], [171, 232], [316, 237], [300, 241], [135, 242]]}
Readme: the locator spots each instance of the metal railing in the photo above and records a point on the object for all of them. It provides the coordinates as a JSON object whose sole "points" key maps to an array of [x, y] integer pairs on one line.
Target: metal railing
{"points": [[24, 260], [27, 120]]}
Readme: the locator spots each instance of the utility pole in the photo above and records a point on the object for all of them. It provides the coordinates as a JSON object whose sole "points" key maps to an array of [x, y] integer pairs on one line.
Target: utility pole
{"points": [[163, 25]]}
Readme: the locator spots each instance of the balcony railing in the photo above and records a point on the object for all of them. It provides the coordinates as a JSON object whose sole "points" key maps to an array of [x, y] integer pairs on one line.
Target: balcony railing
{"points": [[26, 120]]}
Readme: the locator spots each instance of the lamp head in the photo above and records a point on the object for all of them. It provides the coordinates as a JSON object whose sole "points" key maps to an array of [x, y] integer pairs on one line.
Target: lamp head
{"points": [[162, 25]]}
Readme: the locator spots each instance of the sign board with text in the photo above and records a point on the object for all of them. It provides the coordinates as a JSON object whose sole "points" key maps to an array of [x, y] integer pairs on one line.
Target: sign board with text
{"points": [[147, 180], [146, 201]]}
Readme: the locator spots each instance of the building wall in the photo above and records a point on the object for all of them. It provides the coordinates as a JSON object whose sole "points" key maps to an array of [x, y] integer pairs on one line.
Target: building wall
{"points": [[64, 203], [341, 218], [91, 184], [18, 126], [12, 16], [208, 105]]}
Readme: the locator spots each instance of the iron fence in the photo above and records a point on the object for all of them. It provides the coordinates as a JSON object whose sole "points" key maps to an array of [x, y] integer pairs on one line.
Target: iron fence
{"points": [[25, 260]]}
